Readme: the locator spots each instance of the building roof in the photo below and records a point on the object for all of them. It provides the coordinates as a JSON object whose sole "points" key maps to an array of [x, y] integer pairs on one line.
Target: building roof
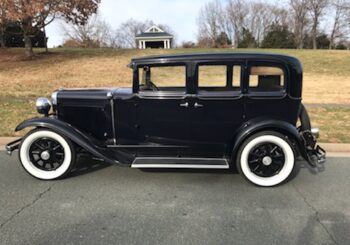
{"points": [[154, 35], [154, 32]]}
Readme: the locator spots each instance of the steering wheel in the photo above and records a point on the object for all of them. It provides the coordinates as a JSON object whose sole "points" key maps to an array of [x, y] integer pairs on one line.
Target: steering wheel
{"points": [[153, 86]]}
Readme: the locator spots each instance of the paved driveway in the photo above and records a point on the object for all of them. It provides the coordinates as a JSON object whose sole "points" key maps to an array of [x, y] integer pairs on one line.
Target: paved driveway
{"points": [[110, 205]]}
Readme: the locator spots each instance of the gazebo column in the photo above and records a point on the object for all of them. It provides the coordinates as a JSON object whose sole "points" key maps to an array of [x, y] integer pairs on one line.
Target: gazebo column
{"points": [[144, 45], [165, 44], [140, 44]]}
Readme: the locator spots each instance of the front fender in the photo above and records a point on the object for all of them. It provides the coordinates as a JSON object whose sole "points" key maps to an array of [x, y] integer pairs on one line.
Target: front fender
{"points": [[85, 141], [254, 126]]}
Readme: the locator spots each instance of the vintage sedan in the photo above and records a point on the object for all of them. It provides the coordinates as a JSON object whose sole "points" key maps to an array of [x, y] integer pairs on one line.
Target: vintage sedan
{"points": [[205, 111]]}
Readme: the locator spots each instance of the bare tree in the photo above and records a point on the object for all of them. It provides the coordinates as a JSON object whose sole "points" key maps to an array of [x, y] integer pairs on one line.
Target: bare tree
{"points": [[302, 17], [262, 16], [210, 21], [125, 35], [316, 9], [299, 12], [237, 13], [95, 33], [259, 20], [3, 21], [340, 26]]}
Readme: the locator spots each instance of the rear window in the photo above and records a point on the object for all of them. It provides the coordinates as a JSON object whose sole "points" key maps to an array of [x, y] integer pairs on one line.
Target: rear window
{"points": [[266, 78]]}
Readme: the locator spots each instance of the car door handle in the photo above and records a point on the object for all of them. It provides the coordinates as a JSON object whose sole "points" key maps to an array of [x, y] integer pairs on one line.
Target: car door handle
{"points": [[197, 105], [185, 104]]}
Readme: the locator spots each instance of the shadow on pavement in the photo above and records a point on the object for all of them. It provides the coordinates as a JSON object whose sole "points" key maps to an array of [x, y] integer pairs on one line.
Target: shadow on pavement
{"points": [[86, 165], [313, 170]]}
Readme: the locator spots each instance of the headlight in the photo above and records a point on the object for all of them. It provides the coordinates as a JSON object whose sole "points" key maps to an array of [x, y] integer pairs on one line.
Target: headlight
{"points": [[43, 105]]}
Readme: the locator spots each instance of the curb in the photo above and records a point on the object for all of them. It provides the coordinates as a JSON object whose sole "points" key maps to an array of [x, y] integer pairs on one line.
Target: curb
{"points": [[339, 149], [5, 140]]}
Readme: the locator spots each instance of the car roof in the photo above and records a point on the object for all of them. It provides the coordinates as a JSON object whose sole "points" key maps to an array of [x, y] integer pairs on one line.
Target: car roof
{"points": [[225, 56]]}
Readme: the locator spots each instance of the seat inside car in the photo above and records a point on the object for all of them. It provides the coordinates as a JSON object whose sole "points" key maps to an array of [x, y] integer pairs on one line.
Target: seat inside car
{"points": [[269, 83]]}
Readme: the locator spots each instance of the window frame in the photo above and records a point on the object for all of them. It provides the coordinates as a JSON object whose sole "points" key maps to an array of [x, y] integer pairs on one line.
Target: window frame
{"points": [[137, 80], [229, 79], [279, 93]]}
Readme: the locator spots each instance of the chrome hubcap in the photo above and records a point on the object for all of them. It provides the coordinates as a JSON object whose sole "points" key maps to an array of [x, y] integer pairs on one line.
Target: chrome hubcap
{"points": [[45, 155], [267, 161]]}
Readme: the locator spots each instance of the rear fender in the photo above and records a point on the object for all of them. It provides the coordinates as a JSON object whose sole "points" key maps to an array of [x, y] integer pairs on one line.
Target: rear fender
{"points": [[254, 126], [87, 142]]}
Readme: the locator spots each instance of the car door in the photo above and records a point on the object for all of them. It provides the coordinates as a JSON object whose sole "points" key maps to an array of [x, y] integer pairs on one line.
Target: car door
{"points": [[162, 109], [267, 85], [217, 110]]}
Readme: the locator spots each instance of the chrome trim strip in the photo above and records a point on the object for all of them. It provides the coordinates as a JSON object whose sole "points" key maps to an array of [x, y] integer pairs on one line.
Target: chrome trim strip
{"points": [[182, 163], [111, 101], [147, 146], [54, 97], [191, 166], [182, 158]]}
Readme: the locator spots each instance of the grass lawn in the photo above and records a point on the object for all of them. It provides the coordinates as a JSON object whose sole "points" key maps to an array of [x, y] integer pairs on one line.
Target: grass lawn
{"points": [[326, 81]]}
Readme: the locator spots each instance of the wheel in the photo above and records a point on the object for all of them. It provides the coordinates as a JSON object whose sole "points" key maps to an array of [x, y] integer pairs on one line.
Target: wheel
{"points": [[46, 155], [266, 159]]}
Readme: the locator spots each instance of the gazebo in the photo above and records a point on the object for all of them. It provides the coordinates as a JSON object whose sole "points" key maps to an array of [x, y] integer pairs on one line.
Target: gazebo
{"points": [[154, 37]]}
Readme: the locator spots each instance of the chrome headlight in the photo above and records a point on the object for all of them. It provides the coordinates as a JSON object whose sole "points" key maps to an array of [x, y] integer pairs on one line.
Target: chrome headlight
{"points": [[43, 105]]}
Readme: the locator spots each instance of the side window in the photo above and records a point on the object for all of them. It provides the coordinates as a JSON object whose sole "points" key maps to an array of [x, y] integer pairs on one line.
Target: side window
{"points": [[266, 79], [219, 77], [162, 78]]}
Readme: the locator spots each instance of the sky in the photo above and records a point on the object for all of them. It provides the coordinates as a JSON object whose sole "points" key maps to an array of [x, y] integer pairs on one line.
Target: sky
{"points": [[180, 15]]}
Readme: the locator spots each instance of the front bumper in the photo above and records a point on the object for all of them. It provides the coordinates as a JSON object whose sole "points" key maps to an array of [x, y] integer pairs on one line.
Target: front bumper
{"points": [[14, 145]]}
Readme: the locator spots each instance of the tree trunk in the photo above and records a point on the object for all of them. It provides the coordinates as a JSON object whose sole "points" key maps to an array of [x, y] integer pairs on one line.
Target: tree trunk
{"points": [[2, 41], [2, 38], [45, 40], [300, 41], [314, 40], [28, 46], [314, 31]]}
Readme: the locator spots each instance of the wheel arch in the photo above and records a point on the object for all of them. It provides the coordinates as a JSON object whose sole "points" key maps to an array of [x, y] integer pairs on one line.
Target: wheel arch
{"points": [[85, 141], [253, 127]]}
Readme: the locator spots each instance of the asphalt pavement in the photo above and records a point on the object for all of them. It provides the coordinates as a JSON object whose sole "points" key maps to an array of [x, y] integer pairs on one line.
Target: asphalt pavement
{"points": [[104, 204]]}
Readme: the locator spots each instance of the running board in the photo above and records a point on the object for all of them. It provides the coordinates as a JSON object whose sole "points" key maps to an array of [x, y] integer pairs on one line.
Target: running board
{"points": [[179, 162]]}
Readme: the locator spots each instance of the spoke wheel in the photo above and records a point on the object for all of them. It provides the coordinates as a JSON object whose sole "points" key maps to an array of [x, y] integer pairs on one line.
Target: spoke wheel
{"points": [[266, 159], [46, 154]]}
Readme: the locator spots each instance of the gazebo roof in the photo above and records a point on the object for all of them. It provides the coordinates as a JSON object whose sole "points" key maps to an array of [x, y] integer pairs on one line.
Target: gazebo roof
{"points": [[154, 32]]}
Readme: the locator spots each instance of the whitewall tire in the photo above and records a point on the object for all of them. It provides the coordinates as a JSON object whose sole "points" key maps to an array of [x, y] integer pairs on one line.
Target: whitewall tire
{"points": [[46, 155], [266, 159]]}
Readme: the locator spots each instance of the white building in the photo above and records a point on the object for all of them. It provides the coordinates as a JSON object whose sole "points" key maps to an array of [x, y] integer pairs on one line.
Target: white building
{"points": [[154, 37]]}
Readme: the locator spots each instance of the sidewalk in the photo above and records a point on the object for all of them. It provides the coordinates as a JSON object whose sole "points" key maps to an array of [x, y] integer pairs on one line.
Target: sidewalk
{"points": [[331, 149]]}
